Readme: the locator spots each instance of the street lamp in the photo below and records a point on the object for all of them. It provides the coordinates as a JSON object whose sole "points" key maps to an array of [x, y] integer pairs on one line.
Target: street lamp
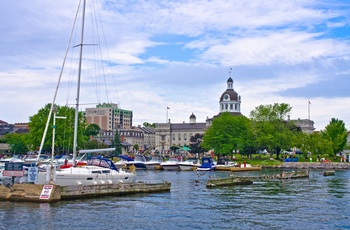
{"points": [[53, 141]]}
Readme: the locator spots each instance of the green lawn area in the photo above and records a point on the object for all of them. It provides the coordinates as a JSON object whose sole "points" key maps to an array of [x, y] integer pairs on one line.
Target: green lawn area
{"points": [[265, 160]]}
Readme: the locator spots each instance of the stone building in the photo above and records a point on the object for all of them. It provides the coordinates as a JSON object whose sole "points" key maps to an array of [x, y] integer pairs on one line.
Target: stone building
{"points": [[179, 134]]}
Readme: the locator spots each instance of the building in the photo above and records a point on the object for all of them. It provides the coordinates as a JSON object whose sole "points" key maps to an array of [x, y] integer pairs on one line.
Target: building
{"points": [[109, 117], [179, 134]]}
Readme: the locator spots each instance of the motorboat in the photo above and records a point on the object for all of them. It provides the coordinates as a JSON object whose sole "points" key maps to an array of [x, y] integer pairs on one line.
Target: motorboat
{"points": [[190, 164], [97, 171], [139, 162], [123, 161], [154, 162], [207, 164], [172, 164]]}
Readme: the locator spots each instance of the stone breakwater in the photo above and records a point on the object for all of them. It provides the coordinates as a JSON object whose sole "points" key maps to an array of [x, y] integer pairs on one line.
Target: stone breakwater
{"points": [[314, 165]]}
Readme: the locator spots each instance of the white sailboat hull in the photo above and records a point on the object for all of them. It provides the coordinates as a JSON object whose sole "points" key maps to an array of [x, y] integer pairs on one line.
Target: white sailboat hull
{"points": [[87, 175]]}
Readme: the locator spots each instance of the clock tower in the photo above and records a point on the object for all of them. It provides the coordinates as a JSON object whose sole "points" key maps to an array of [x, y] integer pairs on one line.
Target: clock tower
{"points": [[230, 101]]}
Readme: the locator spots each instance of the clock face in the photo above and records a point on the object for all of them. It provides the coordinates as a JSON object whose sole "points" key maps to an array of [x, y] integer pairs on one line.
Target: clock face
{"points": [[226, 97]]}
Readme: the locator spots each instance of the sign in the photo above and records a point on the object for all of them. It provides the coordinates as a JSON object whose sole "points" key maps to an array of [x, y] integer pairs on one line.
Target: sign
{"points": [[33, 174], [12, 173], [46, 192], [14, 166]]}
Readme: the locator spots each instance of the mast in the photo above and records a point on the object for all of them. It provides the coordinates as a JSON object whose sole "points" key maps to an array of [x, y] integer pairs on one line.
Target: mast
{"points": [[76, 119]]}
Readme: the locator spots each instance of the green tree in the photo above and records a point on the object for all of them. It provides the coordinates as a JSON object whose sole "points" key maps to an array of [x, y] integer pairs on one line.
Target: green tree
{"points": [[95, 144], [17, 143], [337, 134], [92, 130], [146, 124], [271, 130], [227, 133], [63, 132], [314, 143], [116, 143], [195, 143]]}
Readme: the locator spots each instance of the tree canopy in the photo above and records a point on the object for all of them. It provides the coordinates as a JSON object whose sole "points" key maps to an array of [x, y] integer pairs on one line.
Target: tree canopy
{"points": [[337, 134]]}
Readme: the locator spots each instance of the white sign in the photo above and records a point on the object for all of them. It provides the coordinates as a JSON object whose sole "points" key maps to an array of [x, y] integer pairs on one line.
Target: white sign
{"points": [[33, 174], [46, 192]]}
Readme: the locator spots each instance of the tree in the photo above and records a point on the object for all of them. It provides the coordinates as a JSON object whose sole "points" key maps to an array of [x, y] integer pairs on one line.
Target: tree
{"points": [[116, 143], [337, 134], [146, 124], [227, 133], [17, 143], [195, 143], [92, 130], [63, 132], [271, 130]]}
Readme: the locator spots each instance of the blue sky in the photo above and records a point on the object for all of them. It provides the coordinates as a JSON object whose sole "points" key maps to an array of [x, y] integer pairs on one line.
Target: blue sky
{"points": [[159, 53]]}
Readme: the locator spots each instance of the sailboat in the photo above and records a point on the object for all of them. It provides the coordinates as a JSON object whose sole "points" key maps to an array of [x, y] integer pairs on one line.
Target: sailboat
{"points": [[98, 170]]}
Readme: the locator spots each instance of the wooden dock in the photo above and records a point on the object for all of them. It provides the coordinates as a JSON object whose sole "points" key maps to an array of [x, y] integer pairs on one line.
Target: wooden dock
{"points": [[236, 169], [34, 193], [228, 181]]}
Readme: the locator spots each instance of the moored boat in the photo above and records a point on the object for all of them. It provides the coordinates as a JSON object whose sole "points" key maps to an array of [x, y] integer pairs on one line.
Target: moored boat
{"points": [[190, 164], [172, 164], [207, 164], [154, 163]]}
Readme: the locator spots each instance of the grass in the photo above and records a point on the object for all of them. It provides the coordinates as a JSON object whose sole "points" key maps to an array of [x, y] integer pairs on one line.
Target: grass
{"points": [[265, 160]]}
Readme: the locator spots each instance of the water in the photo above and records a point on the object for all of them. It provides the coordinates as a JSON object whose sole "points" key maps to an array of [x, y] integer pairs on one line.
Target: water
{"points": [[315, 203]]}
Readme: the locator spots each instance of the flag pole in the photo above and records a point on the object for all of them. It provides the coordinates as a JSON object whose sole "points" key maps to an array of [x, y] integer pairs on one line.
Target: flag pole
{"points": [[308, 104], [167, 108]]}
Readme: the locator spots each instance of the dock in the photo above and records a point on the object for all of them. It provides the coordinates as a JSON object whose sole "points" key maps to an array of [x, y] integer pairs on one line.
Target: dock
{"points": [[54, 193], [228, 181], [236, 169]]}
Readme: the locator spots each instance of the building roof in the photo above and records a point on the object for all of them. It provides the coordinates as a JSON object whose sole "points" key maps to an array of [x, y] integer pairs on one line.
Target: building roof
{"points": [[3, 122], [188, 126], [233, 95]]}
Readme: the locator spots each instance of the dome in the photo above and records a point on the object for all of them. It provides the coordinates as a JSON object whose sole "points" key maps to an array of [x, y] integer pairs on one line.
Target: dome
{"points": [[229, 80], [192, 116], [233, 95]]}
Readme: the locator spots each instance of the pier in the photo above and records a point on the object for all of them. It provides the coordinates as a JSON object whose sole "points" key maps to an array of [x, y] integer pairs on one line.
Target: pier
{"points": [[34, 193]]}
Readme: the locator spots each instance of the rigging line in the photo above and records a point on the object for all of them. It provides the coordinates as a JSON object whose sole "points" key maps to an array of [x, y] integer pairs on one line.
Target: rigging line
{"points": [[109, 59], [58, 84], [96, 9]]}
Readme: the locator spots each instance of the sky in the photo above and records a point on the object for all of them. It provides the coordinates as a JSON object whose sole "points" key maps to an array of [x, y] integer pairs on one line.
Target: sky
{"points": [[155, 54]]}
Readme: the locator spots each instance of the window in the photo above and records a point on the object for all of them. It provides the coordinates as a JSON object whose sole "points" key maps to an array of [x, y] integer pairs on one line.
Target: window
{"points": [[179, 136]]}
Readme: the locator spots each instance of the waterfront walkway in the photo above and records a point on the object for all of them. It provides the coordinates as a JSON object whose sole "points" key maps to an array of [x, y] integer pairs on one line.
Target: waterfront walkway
{"points": [[314, 165]]}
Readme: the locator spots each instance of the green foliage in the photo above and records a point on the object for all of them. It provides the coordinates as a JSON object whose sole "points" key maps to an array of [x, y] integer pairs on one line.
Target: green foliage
{"points": [[94, 144], [270, 129], [64, 130], [92, 130], [315, 144], [17, 143], [146, 124], [336, 133], [116, 143], [227, 133], [195, 143]]}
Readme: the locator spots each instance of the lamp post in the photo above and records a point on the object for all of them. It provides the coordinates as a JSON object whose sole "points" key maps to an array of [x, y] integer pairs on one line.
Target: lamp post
{"points": [[53, 141]]}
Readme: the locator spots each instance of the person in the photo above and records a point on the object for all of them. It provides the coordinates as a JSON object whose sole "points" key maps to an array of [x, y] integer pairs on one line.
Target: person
{"points": [[318, 158]]}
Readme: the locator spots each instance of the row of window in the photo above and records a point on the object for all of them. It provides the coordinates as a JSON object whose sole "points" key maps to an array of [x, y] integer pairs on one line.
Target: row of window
{"points": [[225, 106], [180, 136]]}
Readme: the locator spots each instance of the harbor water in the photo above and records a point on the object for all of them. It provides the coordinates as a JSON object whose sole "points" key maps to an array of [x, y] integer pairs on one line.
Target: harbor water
{"points": [[318, 202]]}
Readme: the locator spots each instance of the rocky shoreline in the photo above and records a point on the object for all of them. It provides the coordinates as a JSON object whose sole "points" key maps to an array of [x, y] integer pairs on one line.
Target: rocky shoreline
{"points": [[313, 165]]}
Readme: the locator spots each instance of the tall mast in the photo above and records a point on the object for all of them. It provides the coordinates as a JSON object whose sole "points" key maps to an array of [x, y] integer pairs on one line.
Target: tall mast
{"points": [[78, 89]]}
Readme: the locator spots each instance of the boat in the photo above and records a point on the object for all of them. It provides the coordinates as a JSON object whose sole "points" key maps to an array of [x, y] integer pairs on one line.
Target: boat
{"points": [[172, 164], [226, 167], [97, 170], [122, 162], [154, 162], [138, 162], [190, 164], [207, 164]]}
